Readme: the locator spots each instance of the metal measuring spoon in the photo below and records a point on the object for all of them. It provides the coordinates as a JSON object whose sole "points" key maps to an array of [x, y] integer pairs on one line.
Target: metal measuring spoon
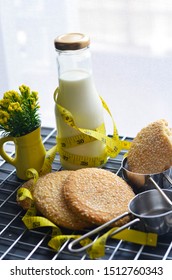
{"points": [[140, 180]]}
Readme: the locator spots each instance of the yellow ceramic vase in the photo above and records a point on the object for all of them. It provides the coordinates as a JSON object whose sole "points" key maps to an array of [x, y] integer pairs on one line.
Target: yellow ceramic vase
{"points": [[29, 152]]}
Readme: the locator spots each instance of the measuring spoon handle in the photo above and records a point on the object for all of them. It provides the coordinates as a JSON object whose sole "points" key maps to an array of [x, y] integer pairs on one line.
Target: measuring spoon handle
{"points": [[161, 191]]}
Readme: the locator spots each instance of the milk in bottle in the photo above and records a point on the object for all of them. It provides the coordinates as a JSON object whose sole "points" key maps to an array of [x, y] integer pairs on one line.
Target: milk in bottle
{"points": [[77, 93]]}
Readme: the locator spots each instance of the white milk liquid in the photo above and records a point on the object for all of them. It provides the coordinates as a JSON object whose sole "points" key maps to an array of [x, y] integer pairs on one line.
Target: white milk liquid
{"points": [[78, 95]]}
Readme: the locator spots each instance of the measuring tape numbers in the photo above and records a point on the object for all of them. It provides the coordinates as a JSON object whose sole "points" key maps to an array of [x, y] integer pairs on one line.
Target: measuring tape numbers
{"points": [[113, 145]]}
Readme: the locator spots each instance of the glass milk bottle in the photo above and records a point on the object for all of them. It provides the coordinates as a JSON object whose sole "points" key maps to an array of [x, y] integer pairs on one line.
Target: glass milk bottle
{"points": [[77, 93]]}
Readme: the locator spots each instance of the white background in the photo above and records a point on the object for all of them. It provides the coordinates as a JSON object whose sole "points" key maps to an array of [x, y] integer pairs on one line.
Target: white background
{"points": [[101, 269], [131, 45]]}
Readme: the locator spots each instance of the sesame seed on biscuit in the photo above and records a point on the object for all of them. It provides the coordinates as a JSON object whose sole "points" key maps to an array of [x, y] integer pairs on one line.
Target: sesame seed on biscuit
{"points": [[151, 149], [97, 195]]}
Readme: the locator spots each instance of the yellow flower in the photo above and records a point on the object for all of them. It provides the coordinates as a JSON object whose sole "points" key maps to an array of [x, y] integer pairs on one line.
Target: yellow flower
{"points": [[12, 96], [4, 117], [34, 94], [25, 91], [32, 103], [4, 103], [14, 107], [19, 111]]}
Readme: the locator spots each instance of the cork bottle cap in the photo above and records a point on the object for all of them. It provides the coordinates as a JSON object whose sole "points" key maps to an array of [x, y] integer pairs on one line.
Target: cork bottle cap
{"points": [[71, 41]]}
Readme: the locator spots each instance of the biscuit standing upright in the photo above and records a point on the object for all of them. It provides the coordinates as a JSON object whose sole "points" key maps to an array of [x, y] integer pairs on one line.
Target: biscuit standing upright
{"points": [[151, 150], [77, 93]]}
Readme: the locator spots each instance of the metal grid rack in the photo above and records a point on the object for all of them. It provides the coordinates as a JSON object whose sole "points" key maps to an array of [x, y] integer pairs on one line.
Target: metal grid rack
{"points": [[18, 243]]}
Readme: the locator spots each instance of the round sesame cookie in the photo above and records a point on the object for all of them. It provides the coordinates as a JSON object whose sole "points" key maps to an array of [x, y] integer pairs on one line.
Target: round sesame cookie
{"points": [[49, 200], [97, 195], [151, 149]]}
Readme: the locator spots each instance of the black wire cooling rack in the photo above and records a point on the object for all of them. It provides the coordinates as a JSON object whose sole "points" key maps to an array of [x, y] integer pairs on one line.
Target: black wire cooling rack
{"points": [[19, 243]]}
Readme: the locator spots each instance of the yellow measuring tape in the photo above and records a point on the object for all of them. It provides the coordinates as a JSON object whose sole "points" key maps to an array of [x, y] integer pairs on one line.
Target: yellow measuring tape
{"points": [[138, 237], [49, 158], [113, 144]]}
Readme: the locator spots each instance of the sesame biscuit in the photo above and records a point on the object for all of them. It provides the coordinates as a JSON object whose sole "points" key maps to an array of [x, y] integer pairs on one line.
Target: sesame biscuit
{"points": [[26, 203], [49, 200], [97, 195], [151, 149]]}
